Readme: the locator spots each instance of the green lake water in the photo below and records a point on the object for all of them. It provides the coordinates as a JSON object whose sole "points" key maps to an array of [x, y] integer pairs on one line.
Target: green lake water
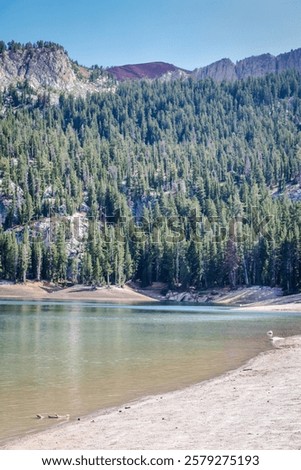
{"points": [[77, 357]]}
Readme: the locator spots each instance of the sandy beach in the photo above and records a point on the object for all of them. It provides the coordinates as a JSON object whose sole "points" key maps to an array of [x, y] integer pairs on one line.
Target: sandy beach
{"points": [[45, 291], [257, 406]]}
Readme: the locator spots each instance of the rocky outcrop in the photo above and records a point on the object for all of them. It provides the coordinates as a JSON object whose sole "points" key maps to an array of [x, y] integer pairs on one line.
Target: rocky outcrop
{"points": [[48, 68], [289, 60], [226, 296], [40, 67], [255, 66], [221, 70]]}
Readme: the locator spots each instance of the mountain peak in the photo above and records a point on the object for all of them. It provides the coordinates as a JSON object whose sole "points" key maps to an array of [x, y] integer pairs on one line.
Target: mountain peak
{"points": [[145, 70]]}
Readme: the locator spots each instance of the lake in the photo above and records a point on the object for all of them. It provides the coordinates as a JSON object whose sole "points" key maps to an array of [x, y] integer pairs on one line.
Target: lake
{"points": [[77, 357]]}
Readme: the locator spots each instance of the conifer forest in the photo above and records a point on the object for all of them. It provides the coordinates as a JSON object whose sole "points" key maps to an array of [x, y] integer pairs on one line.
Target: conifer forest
{"points": [[191, 183]]}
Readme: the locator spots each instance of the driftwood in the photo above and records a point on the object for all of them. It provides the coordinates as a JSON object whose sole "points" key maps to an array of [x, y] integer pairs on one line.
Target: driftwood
{"points": [[54, 416]]}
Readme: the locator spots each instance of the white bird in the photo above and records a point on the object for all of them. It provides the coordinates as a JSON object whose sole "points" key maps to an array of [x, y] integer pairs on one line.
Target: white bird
{"points": [[272, 337]]}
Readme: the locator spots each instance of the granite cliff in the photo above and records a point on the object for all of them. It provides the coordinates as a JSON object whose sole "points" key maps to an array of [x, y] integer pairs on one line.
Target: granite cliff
{"points": [[255, 66], [47, 66]]}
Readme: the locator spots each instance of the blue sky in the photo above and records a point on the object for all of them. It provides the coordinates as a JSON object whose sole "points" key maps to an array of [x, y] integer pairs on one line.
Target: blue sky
{"points": [[188, 33]]}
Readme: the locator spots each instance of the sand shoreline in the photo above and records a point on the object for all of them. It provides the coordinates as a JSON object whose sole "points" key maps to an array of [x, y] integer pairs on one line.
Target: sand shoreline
{"points": [[129, 294], [256, 406], [41, 291]]}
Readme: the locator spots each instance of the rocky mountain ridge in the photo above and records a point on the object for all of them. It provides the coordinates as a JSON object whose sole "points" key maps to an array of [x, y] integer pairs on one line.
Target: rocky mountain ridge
{"points": [[46, 66], [255, 66], [224, 69]]}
